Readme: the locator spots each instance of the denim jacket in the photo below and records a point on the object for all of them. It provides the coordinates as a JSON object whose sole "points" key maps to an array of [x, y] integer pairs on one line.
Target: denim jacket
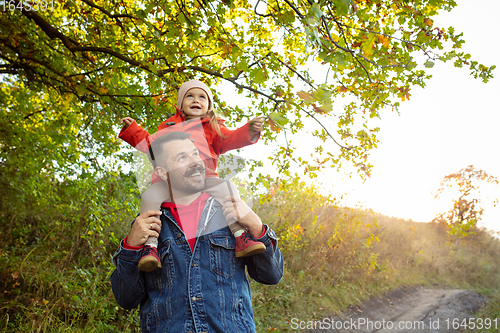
{"points": [[204, 290]]}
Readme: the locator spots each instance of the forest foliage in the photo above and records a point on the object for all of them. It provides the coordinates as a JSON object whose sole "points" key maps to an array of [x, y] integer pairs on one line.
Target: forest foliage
{"points": [[467, 211], [68, 73]]}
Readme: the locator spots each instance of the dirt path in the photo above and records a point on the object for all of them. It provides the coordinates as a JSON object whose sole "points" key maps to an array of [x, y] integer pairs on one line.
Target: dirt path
{"points": [[410, 309]]}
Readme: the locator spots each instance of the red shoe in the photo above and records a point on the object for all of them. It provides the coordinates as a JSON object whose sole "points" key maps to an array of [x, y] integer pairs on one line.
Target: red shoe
{"points": [[246, 246], [150, 260]]}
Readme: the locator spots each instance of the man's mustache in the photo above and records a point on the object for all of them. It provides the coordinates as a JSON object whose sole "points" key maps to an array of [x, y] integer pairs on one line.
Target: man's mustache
{"points": [[199, 169]]}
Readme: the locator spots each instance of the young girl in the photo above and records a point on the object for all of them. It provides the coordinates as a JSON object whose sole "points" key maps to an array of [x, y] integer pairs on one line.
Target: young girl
{"points": [[212, 138]]}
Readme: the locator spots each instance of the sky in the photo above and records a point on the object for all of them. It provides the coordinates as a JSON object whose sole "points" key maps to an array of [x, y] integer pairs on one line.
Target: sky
{"points": [[450, 124]]}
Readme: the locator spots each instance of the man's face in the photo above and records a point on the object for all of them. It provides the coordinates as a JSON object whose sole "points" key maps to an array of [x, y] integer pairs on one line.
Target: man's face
{"points": [[185, 167]]}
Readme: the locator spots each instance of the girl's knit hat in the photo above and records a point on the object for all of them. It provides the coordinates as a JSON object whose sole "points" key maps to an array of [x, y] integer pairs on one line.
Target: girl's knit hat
{"points": [[190, 85]]}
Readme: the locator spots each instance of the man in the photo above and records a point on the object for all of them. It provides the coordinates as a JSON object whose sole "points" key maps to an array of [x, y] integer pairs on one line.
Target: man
{"points": [[201, 286]]}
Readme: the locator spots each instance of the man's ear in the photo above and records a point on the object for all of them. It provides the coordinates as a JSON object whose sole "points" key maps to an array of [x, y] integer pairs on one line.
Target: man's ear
{"points": [[161, 172]]}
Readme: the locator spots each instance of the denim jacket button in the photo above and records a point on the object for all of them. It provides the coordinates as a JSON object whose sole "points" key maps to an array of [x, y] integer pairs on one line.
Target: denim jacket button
{"points": [[178, 235], [193, 298]]}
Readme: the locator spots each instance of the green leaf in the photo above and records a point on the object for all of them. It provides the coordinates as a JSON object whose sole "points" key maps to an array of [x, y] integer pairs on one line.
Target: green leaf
{"points": [[325, 56], [323, 94], [278, 118], [317, 11], [81, 89], [429, 64], [368, 45], [149, 7], [340, 58], [325, 108], [286, 17], [316, 35], [342, 7], [258, 75]]}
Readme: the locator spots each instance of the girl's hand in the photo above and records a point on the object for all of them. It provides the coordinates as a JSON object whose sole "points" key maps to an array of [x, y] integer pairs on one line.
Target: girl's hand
{"points": [[127, 121], [257, 124]]}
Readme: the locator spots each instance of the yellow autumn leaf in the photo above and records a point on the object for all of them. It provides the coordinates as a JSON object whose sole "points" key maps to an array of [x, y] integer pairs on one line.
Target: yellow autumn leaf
{"points": [[428, 22], [383, 40], [305, 96]]}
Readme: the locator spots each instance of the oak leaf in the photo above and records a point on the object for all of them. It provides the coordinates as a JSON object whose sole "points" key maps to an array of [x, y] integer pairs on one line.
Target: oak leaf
{"points": [[305, 96], [428, 22]]}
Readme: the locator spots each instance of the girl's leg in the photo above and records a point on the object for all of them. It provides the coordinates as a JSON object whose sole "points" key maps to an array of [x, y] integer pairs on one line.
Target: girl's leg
{"points": [[245, 245], [152, 199], [219, 189], [154, 196]]}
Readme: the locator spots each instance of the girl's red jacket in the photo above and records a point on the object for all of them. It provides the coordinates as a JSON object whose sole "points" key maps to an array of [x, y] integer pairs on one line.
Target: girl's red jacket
{"points": [[206, 139]]}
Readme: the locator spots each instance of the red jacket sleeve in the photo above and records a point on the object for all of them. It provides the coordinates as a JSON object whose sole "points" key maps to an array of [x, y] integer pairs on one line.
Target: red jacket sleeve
{"points": [[234, 139], [136, 136]]}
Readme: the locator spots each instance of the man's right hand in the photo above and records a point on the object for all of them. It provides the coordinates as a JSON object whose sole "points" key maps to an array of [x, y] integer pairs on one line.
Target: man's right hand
{"points": [[235, 209], [147, 224], [127, 121]]}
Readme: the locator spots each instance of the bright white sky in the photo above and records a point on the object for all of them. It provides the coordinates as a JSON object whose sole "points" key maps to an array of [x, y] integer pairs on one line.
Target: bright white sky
{"points": [[450, 124]]}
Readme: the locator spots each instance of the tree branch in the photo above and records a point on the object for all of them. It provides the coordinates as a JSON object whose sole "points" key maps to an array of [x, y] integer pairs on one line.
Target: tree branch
{"points": [[73, 46], [295, 9], [255, 10], [324, 128], [182, 11], [219, 75], [116, 17], [353, 54], [295, 72], [224, 29], [388, 36], [34, 112]]}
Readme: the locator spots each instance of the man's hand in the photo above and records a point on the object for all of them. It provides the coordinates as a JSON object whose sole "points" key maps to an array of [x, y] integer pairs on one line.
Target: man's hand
{"points": [[127, 121], [256, 126], [237, 209], [147, 224]]}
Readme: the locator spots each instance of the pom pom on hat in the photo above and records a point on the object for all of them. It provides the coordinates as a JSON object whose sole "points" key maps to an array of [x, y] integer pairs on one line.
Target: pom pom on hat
{"points": [[186, 86]]}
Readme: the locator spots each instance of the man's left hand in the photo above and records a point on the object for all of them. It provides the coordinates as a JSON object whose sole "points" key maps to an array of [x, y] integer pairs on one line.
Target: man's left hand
{"points": [[237, 209]]}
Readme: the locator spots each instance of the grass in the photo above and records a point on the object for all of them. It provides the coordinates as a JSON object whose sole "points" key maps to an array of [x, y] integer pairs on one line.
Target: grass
{"points": [[488, 318], [336, 257]]}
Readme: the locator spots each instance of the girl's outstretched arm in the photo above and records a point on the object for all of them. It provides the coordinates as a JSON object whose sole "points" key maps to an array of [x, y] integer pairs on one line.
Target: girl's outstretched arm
{"points": [[134, 134], [235, 139]]}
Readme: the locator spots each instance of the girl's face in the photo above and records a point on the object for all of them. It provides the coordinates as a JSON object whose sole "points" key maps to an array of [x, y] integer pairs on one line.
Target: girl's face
{"points": [[195, 103]]}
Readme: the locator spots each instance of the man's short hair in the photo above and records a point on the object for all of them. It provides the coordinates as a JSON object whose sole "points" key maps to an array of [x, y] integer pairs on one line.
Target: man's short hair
{"points": [[156, 152]]}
